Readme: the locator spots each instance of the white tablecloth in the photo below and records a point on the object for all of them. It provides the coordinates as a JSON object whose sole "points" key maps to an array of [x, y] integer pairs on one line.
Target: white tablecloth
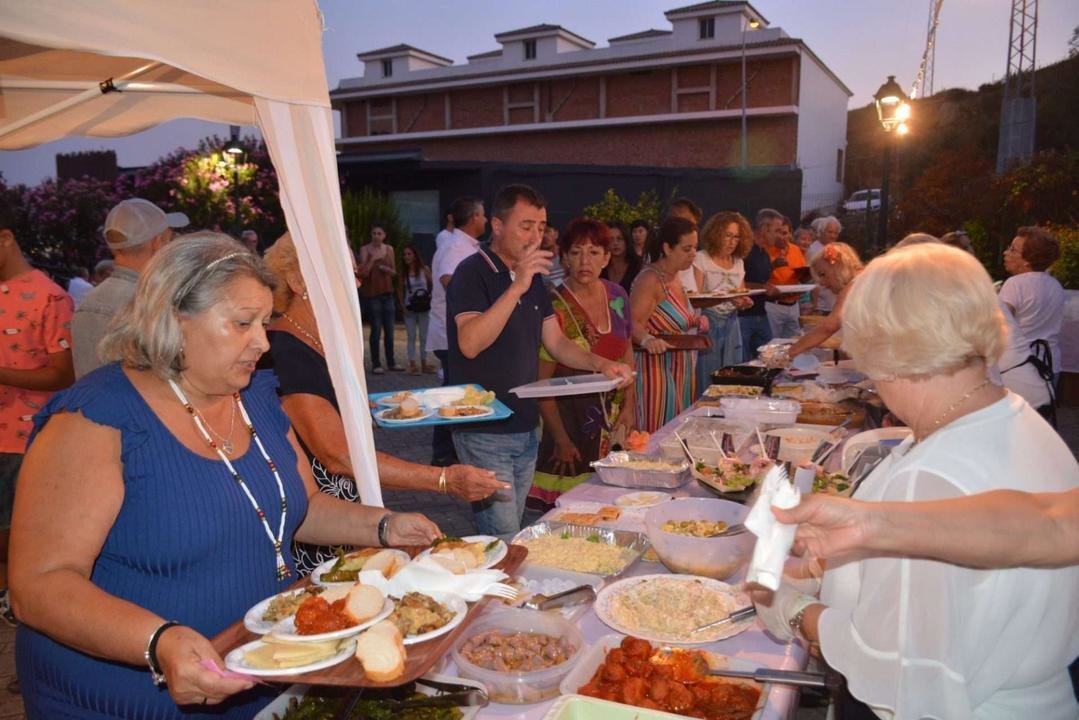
{"points": [[753, 644]]}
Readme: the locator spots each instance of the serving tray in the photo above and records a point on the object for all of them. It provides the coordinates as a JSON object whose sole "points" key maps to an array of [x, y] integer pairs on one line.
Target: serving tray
{"points": [[420, 658]]}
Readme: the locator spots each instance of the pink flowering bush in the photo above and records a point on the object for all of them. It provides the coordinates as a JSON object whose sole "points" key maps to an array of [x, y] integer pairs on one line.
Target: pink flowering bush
{"points": [[62, 220]]}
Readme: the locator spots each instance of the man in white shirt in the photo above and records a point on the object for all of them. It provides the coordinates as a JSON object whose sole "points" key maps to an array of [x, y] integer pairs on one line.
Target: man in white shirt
{"points": [[447, 229], [468, 223]]}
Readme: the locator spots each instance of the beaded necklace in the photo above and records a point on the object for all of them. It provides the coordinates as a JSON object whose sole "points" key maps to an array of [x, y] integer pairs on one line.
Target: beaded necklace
{"points": [[282, 569]]}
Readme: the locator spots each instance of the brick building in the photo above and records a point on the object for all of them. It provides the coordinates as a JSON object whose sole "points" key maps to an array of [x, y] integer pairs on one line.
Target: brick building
{"points": [[655, 109]]}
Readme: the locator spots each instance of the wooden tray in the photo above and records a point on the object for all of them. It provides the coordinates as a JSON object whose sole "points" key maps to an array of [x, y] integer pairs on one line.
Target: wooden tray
{"points": [[680, 341], [421, 657]]}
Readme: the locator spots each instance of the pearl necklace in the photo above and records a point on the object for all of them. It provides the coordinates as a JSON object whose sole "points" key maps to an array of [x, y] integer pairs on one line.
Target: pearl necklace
{"points": [[282, 569], [309, 336]]}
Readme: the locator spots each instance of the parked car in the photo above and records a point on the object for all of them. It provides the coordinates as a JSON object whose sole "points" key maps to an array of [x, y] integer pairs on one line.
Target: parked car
{"points": [[857, 201]]}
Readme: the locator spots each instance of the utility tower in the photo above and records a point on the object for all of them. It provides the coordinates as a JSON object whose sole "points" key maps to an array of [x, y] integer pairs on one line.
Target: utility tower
{"points": [[1019, 109]]}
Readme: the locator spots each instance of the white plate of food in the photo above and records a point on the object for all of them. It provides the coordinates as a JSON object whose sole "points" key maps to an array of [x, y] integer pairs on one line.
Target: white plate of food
{"points": [[393, 415], [396, 399], [642, 499], [265, 616], [666, 608], [464, 412], [273, 659], [286, 630], [362, 607], [433, 613], [345, 570], [476, 552]]}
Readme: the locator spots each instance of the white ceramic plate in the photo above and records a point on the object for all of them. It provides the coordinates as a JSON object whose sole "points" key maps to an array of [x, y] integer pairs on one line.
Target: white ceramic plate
{"points": [[389, 402], [235, 661], [484, 411], [643, 499], [733, 601], [286, 629], [454, 603], [253, 618], [316, 576], [425, 413], [494, 556], [800, 288]]}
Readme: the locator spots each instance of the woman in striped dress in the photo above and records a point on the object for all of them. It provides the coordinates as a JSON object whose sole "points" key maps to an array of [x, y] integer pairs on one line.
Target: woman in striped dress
{"points": [[659, 306]]}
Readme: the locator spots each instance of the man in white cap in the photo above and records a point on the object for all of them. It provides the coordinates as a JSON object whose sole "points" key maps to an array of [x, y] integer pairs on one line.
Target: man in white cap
{"points": [[134, 230]]}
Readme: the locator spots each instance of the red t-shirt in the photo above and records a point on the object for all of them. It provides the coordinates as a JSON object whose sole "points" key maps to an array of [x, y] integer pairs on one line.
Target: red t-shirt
{"points": [[35, 321]]}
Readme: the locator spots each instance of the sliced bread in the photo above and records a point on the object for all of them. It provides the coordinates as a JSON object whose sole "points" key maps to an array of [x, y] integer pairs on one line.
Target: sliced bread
{"points": [[381, 651], [363, 603]]}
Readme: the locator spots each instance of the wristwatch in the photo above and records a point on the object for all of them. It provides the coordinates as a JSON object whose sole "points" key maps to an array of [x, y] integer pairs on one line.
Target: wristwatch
{"points": [[383, 526]]}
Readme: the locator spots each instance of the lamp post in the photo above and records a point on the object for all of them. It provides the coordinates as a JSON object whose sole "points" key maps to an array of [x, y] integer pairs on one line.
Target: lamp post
{"points": [[893, 111], [751, 24], [235, 153]]}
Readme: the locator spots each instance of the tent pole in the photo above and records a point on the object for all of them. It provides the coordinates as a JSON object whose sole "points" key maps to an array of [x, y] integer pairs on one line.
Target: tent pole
{"points": [[102, 88]]}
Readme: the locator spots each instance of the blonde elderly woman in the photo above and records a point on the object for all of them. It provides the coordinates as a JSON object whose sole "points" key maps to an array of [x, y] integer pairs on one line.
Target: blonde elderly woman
{"points": [[920, 638], [159, 499], [310, 402], [834, 268]]}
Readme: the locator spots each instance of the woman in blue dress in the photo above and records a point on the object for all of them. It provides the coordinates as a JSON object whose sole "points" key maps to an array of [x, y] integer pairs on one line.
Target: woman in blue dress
{"points": [[159, 498]]}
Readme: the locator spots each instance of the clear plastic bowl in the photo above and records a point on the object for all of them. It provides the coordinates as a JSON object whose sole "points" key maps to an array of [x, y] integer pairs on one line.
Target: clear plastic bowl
{"points": [[520, 688], [717, 558]]}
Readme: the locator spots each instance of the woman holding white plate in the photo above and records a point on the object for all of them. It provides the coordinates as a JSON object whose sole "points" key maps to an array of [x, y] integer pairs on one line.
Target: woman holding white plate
{"points": [[159, 499]]}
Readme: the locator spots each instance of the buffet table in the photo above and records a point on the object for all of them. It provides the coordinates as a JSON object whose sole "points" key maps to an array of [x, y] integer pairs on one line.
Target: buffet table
{"points": [[754, 644]]}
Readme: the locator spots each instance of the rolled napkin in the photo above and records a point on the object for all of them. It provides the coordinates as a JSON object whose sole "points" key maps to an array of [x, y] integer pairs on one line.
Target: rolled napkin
{"points": [[774, 539], [424, 574]]}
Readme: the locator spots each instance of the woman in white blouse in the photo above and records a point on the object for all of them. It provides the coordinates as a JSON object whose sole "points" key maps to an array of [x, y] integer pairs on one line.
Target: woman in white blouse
{"points": [[725, 239], [1034, 297], [919, 638]]}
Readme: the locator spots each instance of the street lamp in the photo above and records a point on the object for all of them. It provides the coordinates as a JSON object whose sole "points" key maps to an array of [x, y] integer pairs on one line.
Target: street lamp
{"points": [[893, 110], [235, 152], [751, 24]]}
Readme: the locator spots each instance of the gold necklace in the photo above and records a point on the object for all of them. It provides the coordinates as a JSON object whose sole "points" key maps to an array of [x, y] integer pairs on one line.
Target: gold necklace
{"points": [[953, 406], [226, 440], [303, 332]]}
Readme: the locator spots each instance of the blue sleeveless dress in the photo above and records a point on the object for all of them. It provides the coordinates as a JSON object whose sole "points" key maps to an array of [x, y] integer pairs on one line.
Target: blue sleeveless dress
{"points": [[186, 544]]}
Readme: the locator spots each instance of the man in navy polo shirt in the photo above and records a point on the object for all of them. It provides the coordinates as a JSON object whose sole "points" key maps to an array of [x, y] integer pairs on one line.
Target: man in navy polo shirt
{"points": [[498, 313]]}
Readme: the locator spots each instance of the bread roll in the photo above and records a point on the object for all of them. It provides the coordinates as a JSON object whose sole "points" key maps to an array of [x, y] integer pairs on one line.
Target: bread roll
{"points": [[363, 603], [381, 651], [386, 562]]}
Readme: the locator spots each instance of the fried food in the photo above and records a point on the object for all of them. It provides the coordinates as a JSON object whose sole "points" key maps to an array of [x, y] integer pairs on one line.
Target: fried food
{"points": [[462, 411], [474, 396], [417, 614], [286, 604]]}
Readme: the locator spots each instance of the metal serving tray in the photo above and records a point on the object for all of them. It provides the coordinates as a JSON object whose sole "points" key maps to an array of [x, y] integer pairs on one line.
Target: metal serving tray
{"points": [[612, 470], [635, 541]]}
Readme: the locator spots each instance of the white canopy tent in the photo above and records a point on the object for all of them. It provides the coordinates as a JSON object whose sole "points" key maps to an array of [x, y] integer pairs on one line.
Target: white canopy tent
{"points": [[114, 67]]}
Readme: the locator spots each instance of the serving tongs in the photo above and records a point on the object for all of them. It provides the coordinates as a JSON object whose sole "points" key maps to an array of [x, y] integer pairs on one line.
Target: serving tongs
{"points": [[691, 665], [735, 616], [573, 596]]}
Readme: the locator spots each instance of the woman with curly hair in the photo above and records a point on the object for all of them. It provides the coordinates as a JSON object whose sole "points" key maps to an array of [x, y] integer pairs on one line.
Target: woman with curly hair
{"points": [[725, 239]]}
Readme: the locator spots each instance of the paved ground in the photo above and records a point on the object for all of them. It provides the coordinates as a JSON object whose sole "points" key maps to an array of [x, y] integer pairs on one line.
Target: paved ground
{"points": [[453, 516]]}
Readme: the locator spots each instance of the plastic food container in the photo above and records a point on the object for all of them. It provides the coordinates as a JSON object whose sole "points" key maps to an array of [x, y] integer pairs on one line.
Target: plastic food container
{"points": [[776, 411], [718, 557], [520, 688], [617, 469], [702, 435]]}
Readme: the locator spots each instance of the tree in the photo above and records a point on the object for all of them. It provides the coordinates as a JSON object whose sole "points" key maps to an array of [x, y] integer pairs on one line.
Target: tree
{"points": [[612, 207]]}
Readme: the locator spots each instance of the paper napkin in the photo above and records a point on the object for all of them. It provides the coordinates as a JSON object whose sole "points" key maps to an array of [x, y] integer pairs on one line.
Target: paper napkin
{"points": [[774, 539]]}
